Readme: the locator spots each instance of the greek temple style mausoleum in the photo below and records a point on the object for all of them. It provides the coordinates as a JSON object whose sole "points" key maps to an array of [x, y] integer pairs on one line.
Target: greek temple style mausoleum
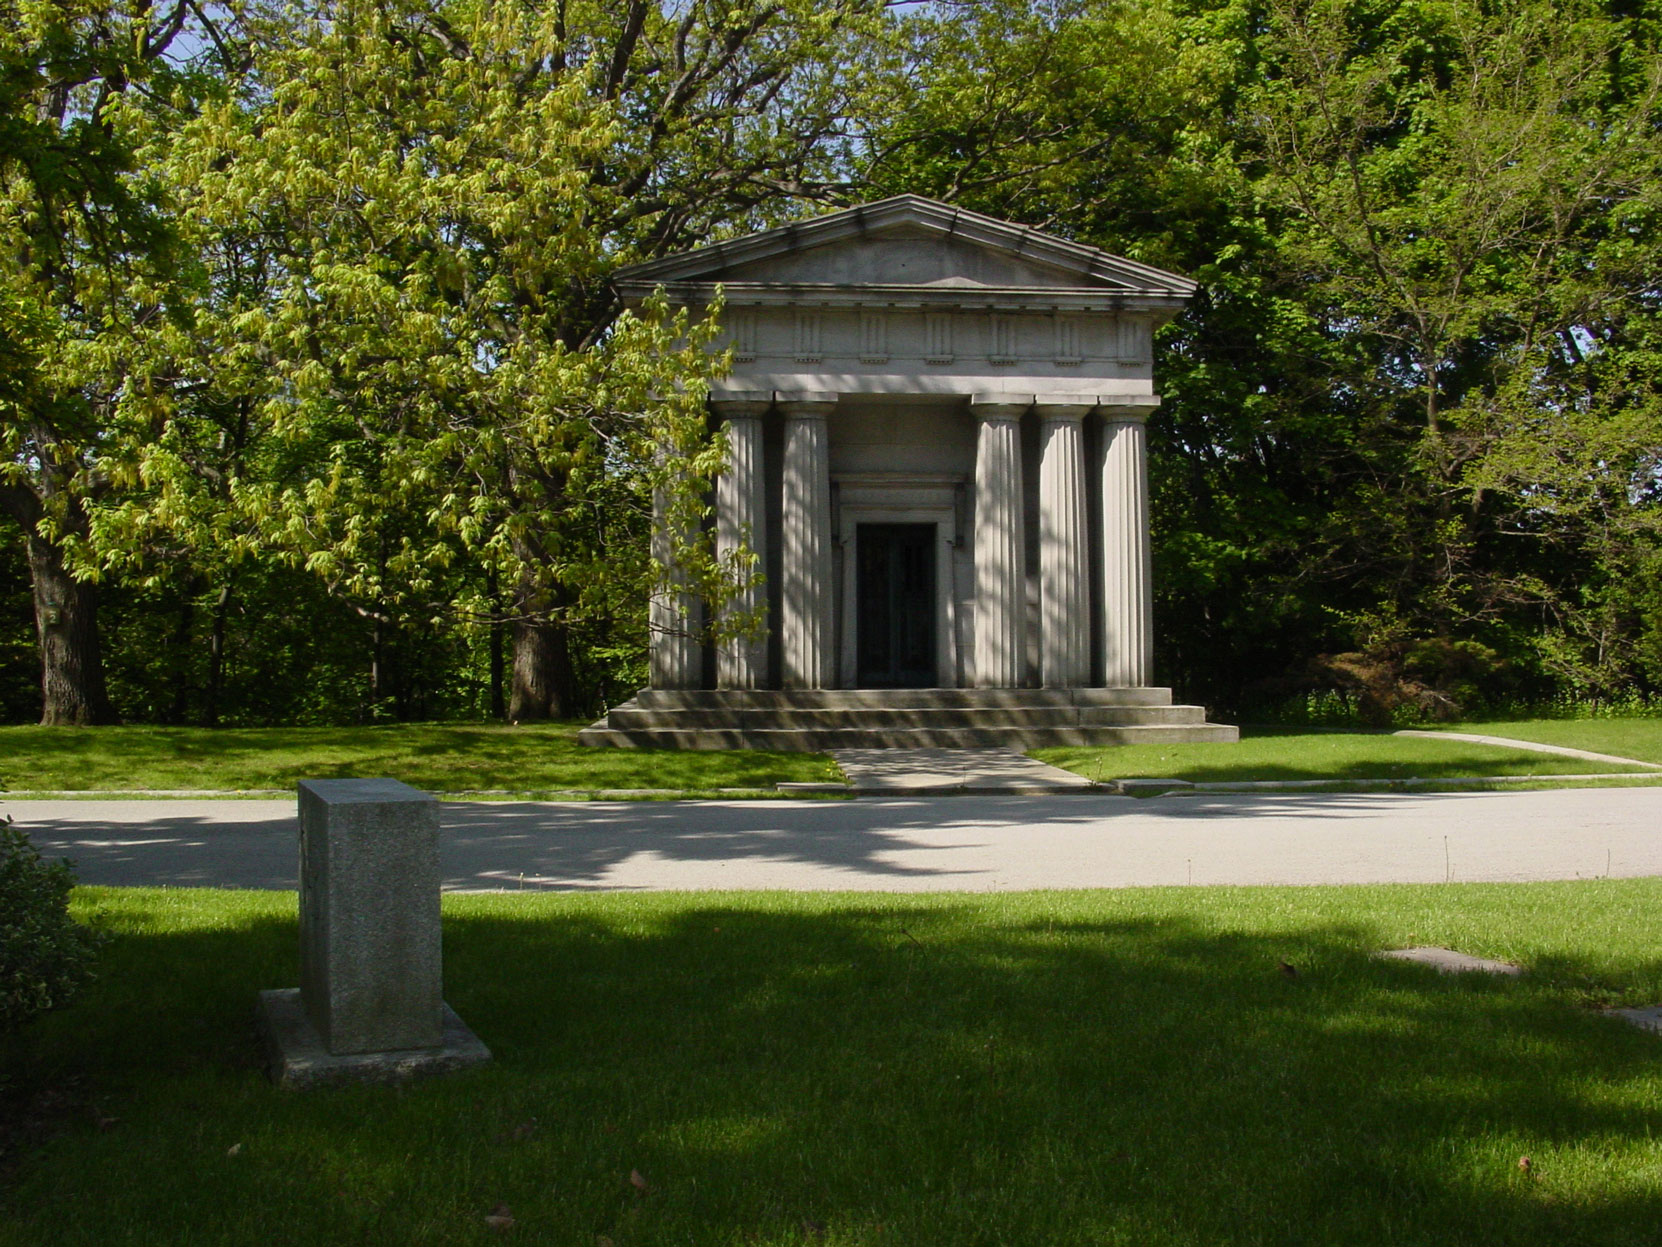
{"points": [[935, 424]]}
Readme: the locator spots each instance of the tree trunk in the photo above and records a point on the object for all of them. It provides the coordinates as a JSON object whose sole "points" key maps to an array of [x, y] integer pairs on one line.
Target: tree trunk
{"points": [[377, 640], [545, 685], [178, 652], [499, 705], [216, 658], [71, 658]]}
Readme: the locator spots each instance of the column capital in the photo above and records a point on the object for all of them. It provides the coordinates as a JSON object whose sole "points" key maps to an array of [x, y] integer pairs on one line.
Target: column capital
{"points": [[994, 406], [1123, 409], [745, 408], [1063, 409]]}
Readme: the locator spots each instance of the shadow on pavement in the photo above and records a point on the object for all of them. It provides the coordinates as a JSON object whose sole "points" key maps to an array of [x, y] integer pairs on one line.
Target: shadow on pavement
{"points": [[577, 845]]}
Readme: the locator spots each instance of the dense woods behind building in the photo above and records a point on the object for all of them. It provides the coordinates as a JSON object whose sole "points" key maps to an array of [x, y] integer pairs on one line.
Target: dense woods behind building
{"points": [[316, 404]]}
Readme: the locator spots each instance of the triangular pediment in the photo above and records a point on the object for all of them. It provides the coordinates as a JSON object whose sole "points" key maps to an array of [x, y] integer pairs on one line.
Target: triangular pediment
{"points": [[913, 243], [880, 259]]}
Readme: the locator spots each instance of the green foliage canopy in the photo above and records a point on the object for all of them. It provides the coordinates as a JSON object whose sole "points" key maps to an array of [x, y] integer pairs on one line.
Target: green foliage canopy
{"points": [[1416, 398]]}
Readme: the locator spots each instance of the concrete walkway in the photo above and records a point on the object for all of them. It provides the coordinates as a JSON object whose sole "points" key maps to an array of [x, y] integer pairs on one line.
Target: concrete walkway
{"points": [[908, 845], [1533, 746], [922, 772]]}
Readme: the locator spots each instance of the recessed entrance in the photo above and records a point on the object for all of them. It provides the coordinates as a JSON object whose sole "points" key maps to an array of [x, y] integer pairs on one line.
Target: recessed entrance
{"points": [[895, 591]]}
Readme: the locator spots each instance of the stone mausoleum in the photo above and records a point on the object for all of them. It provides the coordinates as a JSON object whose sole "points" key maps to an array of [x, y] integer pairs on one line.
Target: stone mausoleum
{"points": [[935, 424]]}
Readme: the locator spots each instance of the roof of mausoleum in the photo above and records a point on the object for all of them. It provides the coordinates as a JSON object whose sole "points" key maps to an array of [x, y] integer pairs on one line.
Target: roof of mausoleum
{"points": [[909, 251]]}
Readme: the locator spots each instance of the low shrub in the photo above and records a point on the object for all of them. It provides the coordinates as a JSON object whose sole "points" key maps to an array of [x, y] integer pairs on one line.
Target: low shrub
{"points": [[1393, 683], [45, 957]]}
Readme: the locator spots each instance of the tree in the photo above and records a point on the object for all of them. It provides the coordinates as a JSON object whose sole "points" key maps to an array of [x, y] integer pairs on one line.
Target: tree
{"points": [[450, 413], [86, 263], [1113, 123], [1408, 221], [1472, 195]]}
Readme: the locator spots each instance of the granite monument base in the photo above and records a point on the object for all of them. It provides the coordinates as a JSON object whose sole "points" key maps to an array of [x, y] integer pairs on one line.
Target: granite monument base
{"points": [[297, 1057]]}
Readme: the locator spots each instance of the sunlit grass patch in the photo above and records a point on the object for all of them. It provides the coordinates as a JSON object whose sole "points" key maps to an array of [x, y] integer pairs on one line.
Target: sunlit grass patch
{"points": [[1276, 754], [437, 757]]}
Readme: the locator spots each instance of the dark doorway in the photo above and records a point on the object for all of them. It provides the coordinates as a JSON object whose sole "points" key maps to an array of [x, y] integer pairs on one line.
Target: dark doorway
{"points": [[896, 605]]}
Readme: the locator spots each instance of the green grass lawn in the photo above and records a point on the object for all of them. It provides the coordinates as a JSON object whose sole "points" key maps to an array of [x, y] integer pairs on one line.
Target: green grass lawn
{"points": [[1273, 753], [1066, 1068], [1625, 738], [547, 758], [433, 756]]}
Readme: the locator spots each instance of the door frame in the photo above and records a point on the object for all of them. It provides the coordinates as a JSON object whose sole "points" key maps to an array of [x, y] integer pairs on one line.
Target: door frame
{"points": [[884, 498]]}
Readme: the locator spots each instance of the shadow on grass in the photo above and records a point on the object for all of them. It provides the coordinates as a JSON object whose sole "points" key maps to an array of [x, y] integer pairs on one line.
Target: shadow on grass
{"points": [[1032, 1070]]}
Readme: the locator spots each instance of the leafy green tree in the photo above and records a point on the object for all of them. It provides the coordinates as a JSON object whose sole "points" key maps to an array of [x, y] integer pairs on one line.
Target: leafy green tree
{"points": [[1472, 193], [1410, 401], [409, 219], [1112, 123], [86, 260]]}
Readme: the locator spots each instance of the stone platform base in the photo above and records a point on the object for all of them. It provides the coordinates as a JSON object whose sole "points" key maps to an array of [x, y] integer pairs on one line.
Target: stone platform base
{"points": [[297, 1058], [921, 718]]}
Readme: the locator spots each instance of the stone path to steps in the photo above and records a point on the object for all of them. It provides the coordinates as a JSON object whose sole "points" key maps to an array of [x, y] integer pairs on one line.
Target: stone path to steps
{"points": [[920, 772]]}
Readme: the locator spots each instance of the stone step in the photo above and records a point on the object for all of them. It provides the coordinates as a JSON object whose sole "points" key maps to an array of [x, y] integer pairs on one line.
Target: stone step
{"points": [[877, 736], [891, 698], [750, 718]]}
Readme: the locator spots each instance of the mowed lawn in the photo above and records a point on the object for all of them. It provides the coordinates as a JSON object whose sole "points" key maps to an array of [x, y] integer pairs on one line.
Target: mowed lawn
{"points": [[547, 758], [1278, 754], [1067, 1068], [433, 756]]}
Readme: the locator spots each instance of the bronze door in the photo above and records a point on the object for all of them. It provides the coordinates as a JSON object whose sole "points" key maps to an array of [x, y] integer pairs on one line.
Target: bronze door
{"points": [[895, 612]]}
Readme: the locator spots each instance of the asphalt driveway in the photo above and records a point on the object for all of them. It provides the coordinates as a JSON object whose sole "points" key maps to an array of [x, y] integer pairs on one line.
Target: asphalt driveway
{"points": [[961, 843]]}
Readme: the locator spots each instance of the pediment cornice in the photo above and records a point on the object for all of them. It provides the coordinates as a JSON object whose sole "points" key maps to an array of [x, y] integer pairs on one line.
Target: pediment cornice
{"points": [[1077, 276], [935, 298]]}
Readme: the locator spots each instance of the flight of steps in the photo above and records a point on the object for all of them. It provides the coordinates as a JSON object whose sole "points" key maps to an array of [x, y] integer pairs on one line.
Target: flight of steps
{"points": [[923, 718]]}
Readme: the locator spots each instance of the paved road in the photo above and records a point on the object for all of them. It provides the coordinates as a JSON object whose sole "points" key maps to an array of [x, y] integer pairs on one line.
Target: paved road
{"points": [[908, 845]]}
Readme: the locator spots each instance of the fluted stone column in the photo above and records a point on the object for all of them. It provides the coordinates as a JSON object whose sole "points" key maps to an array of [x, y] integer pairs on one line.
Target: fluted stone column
{"points": [[1000, 580], [1127, 588], [741, 521], [808, 660], [674, 615], [1064, 554]]}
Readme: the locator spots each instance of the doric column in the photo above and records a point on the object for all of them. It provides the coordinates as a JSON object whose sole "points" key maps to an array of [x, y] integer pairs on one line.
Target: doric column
{"points": [[805, 573], [1000, 582], [1064, 554], [674, 614], [741, 522], [1127, 589]]}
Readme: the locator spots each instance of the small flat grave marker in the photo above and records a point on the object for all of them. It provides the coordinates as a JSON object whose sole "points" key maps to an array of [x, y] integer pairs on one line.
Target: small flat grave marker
{"points": [[1447, 961], [1645, 1019]]}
